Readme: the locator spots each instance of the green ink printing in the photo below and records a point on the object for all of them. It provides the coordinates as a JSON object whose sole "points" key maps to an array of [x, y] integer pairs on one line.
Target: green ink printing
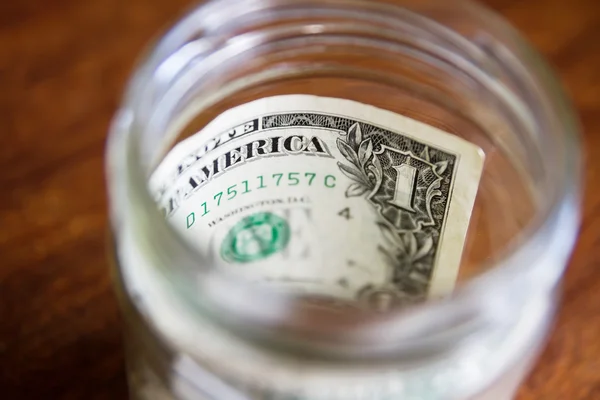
{"points": [[255, 237]]}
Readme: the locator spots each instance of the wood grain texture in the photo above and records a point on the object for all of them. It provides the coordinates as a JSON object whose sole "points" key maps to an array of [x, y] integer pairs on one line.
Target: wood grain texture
{"points": [[63, 64]]}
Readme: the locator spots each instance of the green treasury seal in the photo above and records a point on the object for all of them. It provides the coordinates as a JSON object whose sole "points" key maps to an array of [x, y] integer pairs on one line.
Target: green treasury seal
{"points": [[255, 237]]}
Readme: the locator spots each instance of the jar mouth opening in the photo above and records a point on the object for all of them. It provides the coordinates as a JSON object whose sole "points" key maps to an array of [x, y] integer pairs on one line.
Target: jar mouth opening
{"points": [[440, 324]]}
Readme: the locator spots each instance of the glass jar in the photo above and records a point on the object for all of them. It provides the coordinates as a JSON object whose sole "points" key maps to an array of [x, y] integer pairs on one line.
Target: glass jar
{"points": [[429, 125]]}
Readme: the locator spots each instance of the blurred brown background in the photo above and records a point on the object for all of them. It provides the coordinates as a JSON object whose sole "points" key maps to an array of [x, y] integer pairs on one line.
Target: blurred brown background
{"points": [[63, 64]]}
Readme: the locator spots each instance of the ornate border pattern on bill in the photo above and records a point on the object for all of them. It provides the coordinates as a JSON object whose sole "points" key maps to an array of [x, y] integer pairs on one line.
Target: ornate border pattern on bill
{"points": [[407, 181]]}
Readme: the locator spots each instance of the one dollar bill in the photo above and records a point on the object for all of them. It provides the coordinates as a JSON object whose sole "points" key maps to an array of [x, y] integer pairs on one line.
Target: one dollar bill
{"points": [[325, 196]]}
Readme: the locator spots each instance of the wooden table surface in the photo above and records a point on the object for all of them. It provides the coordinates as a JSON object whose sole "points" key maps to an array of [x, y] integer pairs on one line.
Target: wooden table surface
{"points": [[63, 64]]}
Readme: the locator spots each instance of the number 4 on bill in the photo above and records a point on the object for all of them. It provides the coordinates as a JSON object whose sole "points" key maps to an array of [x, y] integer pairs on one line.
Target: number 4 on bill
{"points": [[345, 213]]}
